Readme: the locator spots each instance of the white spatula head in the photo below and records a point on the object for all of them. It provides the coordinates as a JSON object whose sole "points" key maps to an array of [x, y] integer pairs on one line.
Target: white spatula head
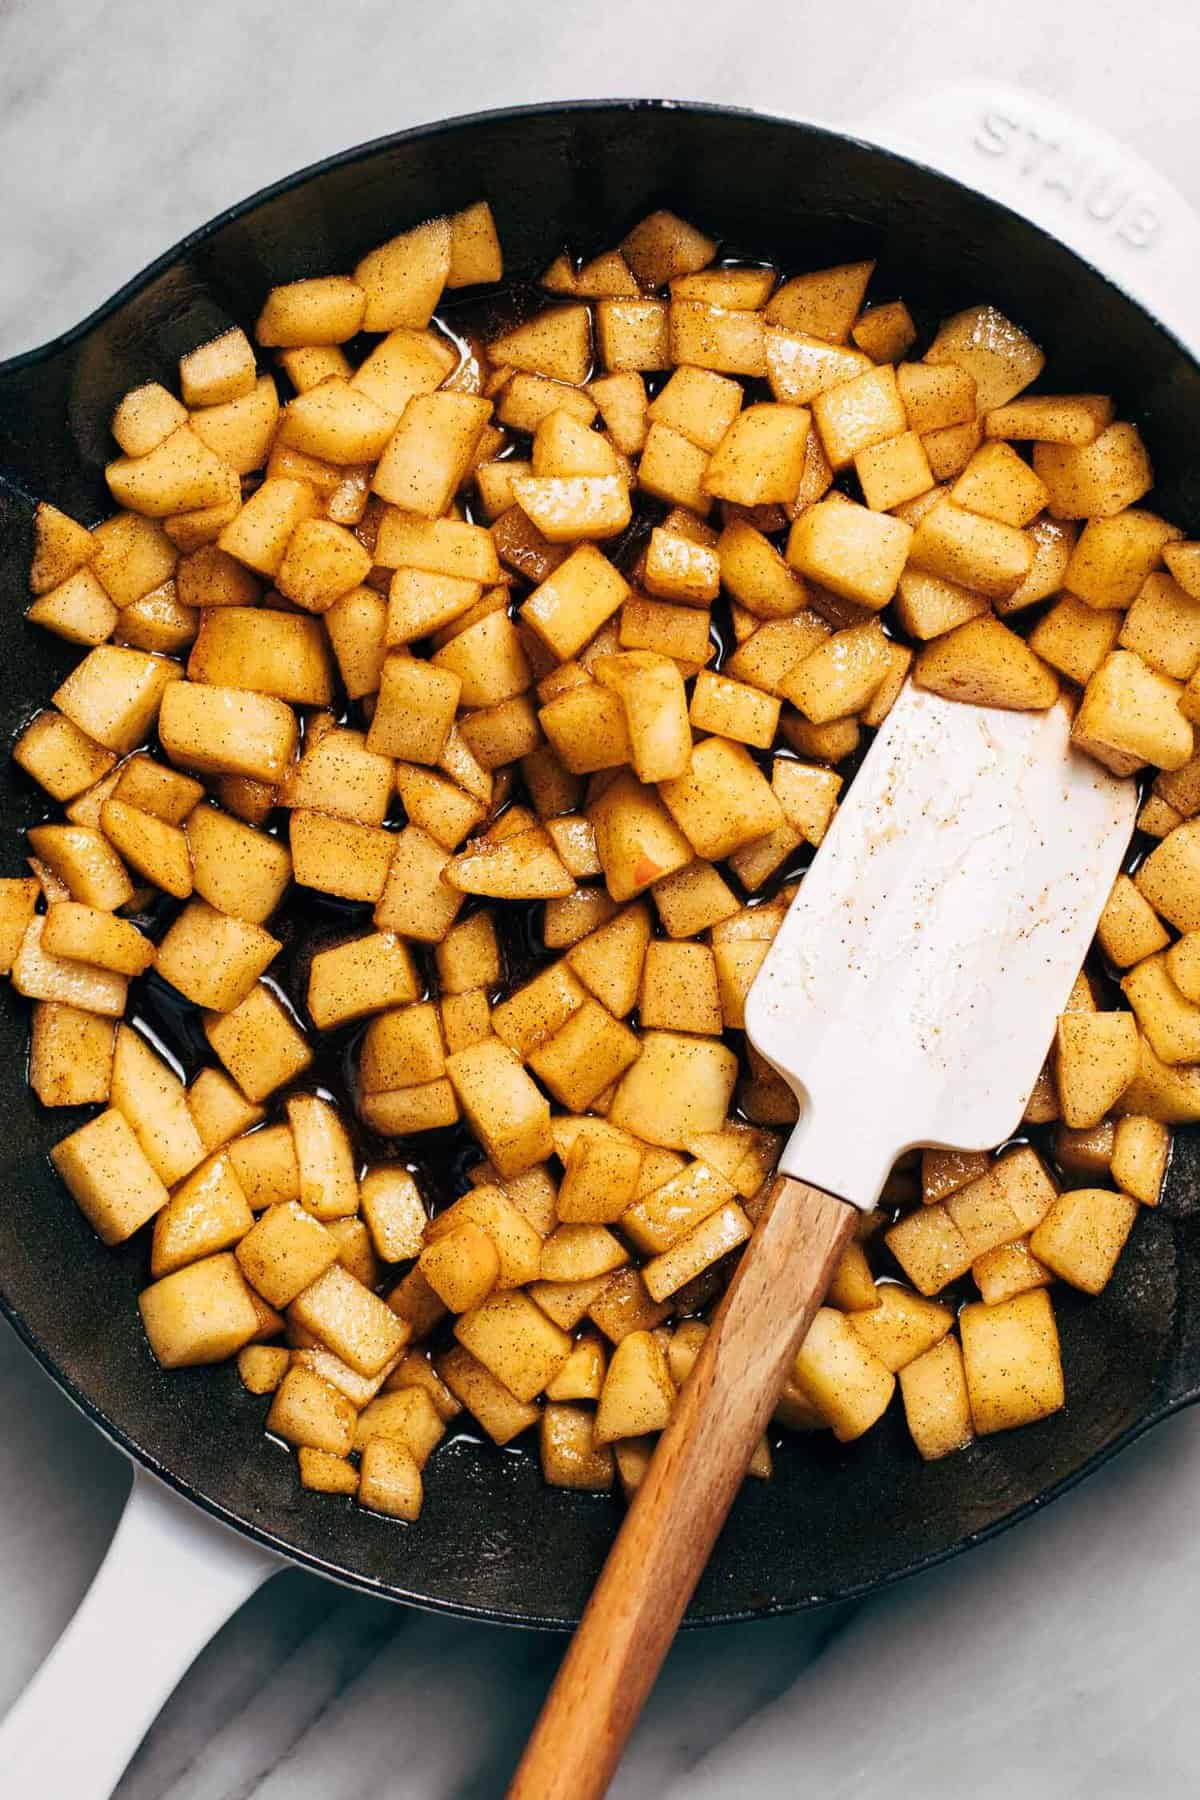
{"points": [[912, 992]]}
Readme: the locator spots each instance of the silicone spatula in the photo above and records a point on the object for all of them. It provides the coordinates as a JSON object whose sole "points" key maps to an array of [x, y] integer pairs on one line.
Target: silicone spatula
{"points": [[909, 998]]}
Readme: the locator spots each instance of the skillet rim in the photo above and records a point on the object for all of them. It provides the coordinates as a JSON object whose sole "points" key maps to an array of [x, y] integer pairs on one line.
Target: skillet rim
{"points": [[120, 1437], [486, 1615]]}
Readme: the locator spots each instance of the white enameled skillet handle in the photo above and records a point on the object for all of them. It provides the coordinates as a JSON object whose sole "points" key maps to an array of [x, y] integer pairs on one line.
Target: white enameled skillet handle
{"points": [[1074, 179], [171, 1578]]}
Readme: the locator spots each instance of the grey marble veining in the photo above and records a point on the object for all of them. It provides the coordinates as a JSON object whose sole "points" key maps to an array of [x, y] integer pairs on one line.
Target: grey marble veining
{"points": [[1058, 1661]]}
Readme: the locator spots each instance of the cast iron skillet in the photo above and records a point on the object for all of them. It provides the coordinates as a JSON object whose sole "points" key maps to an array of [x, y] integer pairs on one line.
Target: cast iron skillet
{"points": [[492, 1541]]}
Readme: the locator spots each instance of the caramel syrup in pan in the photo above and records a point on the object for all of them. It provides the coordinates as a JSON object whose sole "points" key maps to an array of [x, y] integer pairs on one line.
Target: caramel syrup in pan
{"points": [[308, 922]]}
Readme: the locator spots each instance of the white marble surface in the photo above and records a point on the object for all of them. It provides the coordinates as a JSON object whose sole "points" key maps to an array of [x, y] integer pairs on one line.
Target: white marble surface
{"points": [[1059, 1660]]}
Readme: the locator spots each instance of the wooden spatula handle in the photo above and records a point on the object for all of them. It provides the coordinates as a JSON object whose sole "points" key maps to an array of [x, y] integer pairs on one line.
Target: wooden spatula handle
{"points": [[677, 1513]]}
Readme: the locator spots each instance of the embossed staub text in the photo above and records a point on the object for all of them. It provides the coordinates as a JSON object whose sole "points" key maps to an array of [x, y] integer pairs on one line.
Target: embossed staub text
{"points": [[1104, 193]]}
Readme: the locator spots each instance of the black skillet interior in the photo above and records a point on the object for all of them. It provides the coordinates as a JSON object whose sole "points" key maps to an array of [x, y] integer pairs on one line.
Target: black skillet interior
{"points": [[492, 1540]]}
